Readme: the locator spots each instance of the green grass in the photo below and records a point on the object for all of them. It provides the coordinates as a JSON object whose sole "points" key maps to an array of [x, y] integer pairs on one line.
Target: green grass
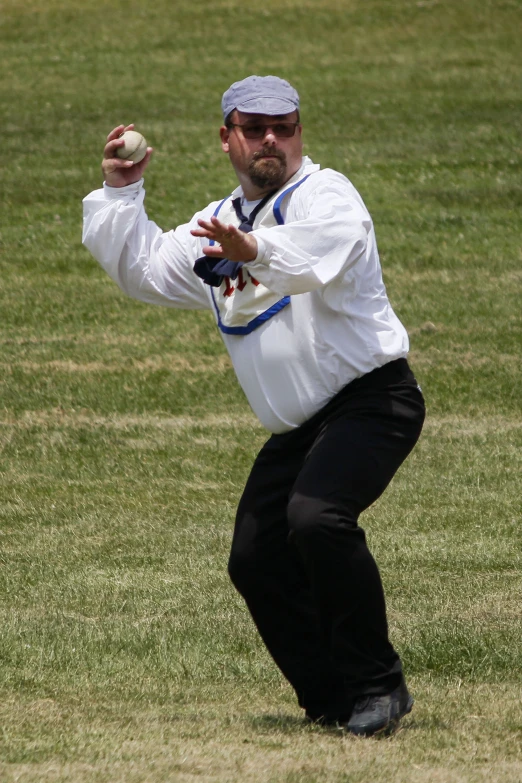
{"points": [[125, 654]]}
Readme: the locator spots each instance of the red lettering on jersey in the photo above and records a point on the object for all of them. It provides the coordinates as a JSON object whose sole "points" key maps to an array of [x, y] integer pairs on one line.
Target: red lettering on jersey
{"points": [[253, 279], [240, 282], [229, 288]]}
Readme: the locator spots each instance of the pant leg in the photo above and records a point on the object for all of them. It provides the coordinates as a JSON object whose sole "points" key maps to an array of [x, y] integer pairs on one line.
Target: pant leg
{"points": [[298, 556], [350, 464], [268, 572]]}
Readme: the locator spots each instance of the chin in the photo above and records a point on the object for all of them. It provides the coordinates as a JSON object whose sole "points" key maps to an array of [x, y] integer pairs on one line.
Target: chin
{"points": [[268, 173]]}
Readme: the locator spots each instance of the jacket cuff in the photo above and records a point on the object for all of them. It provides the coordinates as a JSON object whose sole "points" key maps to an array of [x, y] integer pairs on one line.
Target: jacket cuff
{"points": [[125, 192], [262, 257]]}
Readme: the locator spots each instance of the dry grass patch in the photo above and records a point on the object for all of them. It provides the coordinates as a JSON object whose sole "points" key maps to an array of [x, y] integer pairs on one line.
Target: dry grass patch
{"points": [[73, 419], [171, 362], [457, 733]]}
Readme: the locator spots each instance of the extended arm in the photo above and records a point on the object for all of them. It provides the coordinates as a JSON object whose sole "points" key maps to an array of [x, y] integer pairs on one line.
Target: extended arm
{"points": [[324, 236]]}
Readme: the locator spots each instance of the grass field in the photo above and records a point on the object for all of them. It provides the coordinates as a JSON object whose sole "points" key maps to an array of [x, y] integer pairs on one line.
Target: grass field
{"points": [[125, 654]]}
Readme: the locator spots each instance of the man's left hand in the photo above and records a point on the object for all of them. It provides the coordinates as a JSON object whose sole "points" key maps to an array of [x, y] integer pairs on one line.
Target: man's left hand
{"points": [[232, 243]]}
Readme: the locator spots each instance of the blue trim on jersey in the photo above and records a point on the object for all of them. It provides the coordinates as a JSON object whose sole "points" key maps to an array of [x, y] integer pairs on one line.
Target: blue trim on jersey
{"points": [[267, 314], [277, 204], [260, 319]]}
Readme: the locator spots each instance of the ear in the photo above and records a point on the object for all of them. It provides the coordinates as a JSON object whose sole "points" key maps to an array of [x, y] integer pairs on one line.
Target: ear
{"points": [[224, 134]]}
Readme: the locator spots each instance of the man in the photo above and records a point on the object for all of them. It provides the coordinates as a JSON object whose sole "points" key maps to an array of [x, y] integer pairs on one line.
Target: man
{"points": [[289, 266]]}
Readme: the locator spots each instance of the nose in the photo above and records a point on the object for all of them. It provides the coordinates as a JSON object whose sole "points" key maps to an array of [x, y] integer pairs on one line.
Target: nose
{"points": [[269, 137]]}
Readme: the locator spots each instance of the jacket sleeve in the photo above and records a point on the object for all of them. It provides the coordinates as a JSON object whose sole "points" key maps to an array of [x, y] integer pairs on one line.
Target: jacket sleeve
{"points": [[325, 235], [145, 262]]}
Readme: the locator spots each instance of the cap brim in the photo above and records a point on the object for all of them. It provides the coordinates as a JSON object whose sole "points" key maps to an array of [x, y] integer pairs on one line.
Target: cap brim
{"points": [[271, 106]]}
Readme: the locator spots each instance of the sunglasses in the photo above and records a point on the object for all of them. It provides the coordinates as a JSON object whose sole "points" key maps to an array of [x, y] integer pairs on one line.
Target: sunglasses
{"points": [[283, 130]]}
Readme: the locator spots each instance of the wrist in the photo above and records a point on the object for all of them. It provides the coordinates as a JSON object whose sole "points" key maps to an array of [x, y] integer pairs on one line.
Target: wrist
{"points": [[252, 249]]}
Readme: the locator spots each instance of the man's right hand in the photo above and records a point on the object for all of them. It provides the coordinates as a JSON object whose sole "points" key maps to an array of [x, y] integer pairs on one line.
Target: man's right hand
{"points": [[117, 172]]}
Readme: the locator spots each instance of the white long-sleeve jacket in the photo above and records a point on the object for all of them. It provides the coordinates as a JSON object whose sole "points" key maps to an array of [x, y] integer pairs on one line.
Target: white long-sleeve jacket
{"points": [[338, 324]]}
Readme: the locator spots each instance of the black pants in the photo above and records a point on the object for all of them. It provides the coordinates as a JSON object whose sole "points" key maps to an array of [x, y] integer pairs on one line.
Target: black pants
{"points": [[298, 556]]}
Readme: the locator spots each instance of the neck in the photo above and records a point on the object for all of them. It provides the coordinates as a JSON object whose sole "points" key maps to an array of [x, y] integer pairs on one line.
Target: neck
{"points": [[253, 193]]}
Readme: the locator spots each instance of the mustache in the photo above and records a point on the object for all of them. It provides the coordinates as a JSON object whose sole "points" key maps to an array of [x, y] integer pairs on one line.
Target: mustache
{"points": [[269, 153]]}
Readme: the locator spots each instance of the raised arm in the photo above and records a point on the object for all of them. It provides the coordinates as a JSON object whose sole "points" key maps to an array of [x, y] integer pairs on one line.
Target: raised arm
{"points": [[147, 263]]}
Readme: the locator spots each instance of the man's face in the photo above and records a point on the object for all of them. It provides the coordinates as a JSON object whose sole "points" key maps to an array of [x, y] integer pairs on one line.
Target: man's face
{"points": [[264, 163]]}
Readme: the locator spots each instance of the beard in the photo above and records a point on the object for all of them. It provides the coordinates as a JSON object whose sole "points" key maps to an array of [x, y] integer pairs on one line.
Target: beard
{"points": [[267, 169]]}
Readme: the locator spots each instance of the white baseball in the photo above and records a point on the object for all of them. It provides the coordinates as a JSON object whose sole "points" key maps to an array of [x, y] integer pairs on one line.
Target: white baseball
{"points": [[135, 147]]}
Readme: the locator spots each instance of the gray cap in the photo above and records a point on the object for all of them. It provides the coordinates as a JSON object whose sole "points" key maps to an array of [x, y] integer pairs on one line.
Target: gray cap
{"points": [[260, 95]]}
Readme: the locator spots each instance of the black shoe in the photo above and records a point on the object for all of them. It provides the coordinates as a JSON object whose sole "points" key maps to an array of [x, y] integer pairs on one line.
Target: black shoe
{"points": [[379, 714]]}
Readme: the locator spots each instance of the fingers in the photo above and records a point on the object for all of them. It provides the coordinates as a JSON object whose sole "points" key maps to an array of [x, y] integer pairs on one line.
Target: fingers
{"points": [[214, 251], [110, 164], [231, 242], [118, 131], [216, 230], [117, 171], [112, 145], [223, 231], [114, 141], [203, 231]]}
